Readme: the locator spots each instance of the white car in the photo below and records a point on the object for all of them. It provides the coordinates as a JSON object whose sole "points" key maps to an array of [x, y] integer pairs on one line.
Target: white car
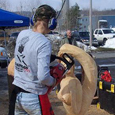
{"points": [[4, 59], [102, 34]]}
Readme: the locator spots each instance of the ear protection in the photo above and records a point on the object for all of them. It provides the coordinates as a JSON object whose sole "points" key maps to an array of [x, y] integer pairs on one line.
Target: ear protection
{"points": [[52, 23], [32, 20]]}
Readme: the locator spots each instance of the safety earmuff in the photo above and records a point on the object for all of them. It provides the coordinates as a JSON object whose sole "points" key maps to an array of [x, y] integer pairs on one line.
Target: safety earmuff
{"points": [[32, 20], [52, 23]]}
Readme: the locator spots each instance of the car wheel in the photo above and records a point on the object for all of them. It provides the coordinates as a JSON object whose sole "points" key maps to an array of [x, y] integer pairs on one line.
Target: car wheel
{"points": [[104, 41], [4, 65]]}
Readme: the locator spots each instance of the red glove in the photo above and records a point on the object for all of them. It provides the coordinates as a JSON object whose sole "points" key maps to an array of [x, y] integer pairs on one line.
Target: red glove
{"points": [[57, 72]]}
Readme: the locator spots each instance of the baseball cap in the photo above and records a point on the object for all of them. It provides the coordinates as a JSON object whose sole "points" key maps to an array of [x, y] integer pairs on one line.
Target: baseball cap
{"points": [[44, 12]]}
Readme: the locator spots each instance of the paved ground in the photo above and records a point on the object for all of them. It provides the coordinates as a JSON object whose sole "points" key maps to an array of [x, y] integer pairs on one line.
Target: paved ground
{"points": [[59, 109], [104, 54]]}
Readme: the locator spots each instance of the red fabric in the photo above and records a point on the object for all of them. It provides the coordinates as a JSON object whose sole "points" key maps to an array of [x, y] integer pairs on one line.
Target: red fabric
{"points": [[45, 105], [106, 76]]}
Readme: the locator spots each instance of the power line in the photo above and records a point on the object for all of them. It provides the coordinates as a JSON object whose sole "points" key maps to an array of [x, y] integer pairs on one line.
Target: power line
{"points": [[61, 9]]}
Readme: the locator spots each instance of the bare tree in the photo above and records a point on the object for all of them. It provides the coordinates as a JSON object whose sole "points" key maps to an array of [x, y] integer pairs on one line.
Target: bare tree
{"points": [[72, 17], [19, 8], [27, 6], [2, 4], [34, 4]]}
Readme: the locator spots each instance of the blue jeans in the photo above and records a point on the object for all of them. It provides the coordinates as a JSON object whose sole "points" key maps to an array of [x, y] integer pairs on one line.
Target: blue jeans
{"points": [[27, 104]]}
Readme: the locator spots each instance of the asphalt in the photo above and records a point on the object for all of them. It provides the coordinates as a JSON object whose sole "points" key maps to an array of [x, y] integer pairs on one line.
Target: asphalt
{"points": [[103, 54]]}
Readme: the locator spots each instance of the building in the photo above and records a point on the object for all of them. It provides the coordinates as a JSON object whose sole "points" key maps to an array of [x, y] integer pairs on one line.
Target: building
{"points": [[84, 21]]}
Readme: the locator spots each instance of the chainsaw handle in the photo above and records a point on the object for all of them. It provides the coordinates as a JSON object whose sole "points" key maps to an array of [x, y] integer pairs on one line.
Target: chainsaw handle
{"points": [[69, 63], [64, 57]]}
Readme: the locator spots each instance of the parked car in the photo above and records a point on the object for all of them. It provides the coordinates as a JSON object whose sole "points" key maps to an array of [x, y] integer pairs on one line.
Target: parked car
{"points": [[11, 44], [4, 35], [3, 38], [4, 59], [113, 28], [76, 35], [1, 43], [55, 34], [85, 38], [103, 34], [13, 36]]}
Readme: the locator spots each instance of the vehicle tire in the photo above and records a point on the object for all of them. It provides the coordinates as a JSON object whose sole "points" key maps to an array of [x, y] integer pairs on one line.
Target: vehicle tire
{"points": [[4, 65], [104, 41]]}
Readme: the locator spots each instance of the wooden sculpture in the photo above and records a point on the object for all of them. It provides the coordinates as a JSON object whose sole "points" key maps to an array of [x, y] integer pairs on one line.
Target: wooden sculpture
{"points": [[11, 67], [75, 95], [10, 76]]}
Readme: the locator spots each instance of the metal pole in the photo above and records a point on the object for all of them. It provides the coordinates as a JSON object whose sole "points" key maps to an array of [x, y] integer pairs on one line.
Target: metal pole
{"points": [[5, 40], [6, 45], [90, 17]]}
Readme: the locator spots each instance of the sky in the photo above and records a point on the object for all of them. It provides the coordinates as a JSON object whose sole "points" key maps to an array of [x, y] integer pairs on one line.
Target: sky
{"points": [[83, 4]]}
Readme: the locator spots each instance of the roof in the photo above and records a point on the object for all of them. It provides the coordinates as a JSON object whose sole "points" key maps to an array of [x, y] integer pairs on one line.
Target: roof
{"points": [[11, 20]]}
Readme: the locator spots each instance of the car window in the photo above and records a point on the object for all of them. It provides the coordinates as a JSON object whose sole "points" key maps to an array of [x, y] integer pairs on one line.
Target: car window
{"points": [[14, 34], [96, 31], [75, 34], [84, 34], [55, 33], [100, 32], [108, 31], [2, 34]]}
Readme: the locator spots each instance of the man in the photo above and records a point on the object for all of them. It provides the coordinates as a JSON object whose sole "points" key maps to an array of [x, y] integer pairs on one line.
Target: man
{"points": [[32, 74], [68, 39]]}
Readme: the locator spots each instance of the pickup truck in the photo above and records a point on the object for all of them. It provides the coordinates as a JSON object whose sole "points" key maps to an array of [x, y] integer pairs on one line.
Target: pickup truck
{"points": [[102, 34]]}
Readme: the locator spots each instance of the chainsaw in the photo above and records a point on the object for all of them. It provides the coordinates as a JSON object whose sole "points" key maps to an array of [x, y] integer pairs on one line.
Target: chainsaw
{"points": [[59, 70]]}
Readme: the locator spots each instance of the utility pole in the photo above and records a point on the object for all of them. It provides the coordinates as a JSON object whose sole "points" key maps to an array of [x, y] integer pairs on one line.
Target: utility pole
{"points": [[21, 9], [65, 11], [90, 17]]}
